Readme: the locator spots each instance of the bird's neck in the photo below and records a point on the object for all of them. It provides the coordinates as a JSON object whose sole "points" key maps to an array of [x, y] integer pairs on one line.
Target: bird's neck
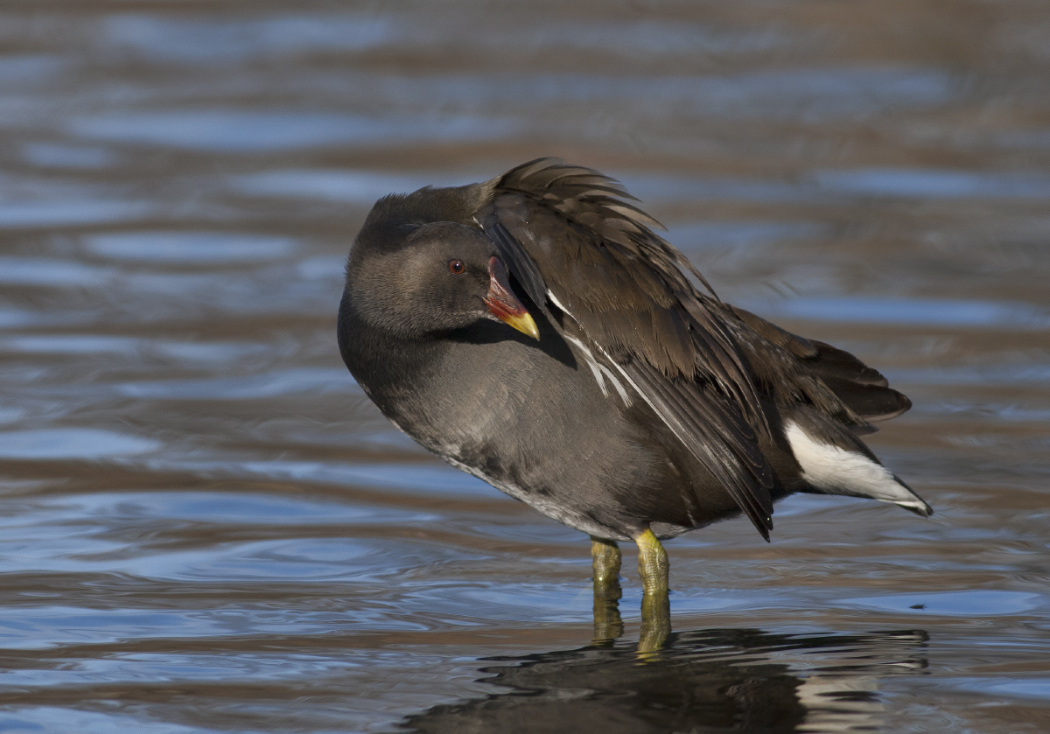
{"points": [[384, 362]]}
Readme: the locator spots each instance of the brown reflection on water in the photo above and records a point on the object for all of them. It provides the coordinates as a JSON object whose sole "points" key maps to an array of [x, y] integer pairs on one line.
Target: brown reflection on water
{"points": [[206, 526], [705, 681]]}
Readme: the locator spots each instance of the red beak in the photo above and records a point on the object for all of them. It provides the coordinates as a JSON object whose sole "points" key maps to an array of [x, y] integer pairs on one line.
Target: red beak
{"points": [[504, 305]]}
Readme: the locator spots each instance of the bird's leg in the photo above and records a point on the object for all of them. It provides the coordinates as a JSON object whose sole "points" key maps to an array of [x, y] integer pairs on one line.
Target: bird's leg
{"points": [[656, 609], [605, 559]]}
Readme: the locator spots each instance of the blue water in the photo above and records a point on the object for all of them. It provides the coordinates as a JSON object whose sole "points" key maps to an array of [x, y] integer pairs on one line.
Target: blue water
{"points": [[206, 525]]}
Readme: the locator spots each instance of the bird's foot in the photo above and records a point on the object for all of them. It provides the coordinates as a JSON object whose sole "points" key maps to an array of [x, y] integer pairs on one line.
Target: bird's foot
{"points": [[656, 608], [605, 558]]}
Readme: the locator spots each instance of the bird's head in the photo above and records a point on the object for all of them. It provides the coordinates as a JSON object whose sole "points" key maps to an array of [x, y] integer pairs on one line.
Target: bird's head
{"points": [[438, 277]]}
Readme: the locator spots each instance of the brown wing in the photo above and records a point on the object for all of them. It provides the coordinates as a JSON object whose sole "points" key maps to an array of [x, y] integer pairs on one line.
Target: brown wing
{"points": [[863, 391], [575, 245]]}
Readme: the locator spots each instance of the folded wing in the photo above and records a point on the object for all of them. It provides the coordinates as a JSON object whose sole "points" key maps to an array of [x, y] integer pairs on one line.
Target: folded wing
{"points": [[581, 251]]}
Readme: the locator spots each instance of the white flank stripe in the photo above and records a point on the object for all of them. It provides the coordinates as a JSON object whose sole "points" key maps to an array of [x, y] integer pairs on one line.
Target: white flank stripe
{"points": [[557, 303], [601, 372], [838, 471]]}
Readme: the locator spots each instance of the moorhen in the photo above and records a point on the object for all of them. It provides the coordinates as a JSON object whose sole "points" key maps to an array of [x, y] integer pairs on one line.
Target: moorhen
{"points": [[534, 331]]}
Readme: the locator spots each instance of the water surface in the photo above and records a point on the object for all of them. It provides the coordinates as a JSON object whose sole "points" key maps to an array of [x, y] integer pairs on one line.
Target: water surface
{"points": [[206, 526]]}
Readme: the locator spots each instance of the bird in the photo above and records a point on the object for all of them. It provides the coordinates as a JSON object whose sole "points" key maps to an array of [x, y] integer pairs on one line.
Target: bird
{"points": [[535, 331]]}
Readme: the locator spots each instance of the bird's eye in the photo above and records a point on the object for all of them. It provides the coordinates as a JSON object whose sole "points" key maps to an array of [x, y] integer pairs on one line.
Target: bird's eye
{"points": [[456, 267]]}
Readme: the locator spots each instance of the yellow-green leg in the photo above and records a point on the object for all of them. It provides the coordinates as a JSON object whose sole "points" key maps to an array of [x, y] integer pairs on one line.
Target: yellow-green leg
{"points": [[605, 559], [656, 608]]}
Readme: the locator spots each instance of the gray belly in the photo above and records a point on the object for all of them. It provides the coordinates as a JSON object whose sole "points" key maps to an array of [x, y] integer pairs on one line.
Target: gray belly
{"points": [[550, 434]]}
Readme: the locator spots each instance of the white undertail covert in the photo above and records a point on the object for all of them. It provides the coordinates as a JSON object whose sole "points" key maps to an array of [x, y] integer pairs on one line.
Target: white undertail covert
{"points": [[837, 471]]}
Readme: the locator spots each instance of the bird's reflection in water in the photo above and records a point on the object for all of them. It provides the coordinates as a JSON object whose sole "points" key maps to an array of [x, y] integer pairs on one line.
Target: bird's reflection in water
{"points": [[701, 681]]}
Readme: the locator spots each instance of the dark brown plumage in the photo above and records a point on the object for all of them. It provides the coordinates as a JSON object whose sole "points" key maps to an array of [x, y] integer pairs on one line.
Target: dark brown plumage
{"points": [[649, 403]]}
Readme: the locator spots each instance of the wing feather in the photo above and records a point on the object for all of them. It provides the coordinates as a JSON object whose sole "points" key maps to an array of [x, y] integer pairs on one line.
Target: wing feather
{"points": [[565, 232], [711, 428]]}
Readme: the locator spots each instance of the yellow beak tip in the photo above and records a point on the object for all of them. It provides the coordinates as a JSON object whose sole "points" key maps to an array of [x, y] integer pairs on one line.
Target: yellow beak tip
{"points": [[524, 323]]}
